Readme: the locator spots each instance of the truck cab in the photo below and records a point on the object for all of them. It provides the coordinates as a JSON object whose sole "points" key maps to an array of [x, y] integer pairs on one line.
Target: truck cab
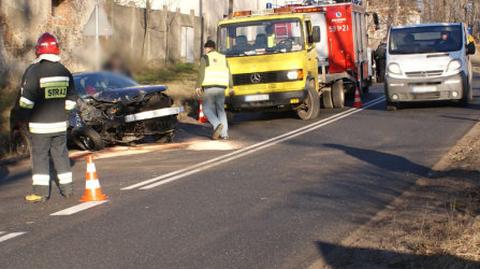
{"points": [[273, 61], [428, 62]]}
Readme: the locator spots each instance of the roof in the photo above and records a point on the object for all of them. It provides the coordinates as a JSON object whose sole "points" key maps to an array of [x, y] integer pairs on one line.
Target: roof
{"points": [[265, 17], [426, 25]]}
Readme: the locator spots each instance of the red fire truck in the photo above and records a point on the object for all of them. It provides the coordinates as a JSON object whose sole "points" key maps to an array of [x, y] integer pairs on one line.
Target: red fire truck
{"points": [[343, 55]]}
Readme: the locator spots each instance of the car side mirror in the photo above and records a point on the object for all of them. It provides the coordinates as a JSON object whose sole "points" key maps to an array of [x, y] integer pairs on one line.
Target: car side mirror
{"points": [[315, 34], [471, 49]]}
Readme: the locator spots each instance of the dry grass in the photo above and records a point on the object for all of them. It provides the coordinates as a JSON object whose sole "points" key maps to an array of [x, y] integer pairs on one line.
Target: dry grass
{"points": [[435, 224], [180, 80]]}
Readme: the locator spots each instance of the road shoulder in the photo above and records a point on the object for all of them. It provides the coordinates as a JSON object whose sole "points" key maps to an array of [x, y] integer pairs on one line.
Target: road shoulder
{"points": [[434, 224]]}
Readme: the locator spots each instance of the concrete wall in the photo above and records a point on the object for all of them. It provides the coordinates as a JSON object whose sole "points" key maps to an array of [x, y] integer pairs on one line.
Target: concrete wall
{"points": [[22, 22], [154, 38]]}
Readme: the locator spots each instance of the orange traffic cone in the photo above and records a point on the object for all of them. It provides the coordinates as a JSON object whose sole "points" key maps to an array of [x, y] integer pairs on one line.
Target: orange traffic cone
{"points": [[201, 117], [357, 102], [93, 191]]}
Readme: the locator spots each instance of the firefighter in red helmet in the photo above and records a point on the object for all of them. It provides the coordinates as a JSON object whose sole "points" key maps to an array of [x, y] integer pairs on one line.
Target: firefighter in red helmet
{"points": [[47, 92]]}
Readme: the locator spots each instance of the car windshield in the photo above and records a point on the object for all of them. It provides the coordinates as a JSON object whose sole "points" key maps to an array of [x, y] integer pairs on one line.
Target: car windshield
{"points": [[428, 39], [261, 37], [94, 83]]}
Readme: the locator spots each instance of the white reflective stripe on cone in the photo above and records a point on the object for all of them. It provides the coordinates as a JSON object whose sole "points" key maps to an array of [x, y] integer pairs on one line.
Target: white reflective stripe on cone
{"points": [[65, 178], [41, 180], [47, 128], [91, 168], [92, 184]]}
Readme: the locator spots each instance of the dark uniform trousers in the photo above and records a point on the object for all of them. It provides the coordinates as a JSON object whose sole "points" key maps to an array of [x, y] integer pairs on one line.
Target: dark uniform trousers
{"points": [[44, 146]]}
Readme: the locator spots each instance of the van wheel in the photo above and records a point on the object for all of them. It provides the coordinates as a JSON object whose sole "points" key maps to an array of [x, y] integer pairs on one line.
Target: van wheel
{"points": [[310, 108], [338, 94], [391, 106], [327, 98], [465, 101]]}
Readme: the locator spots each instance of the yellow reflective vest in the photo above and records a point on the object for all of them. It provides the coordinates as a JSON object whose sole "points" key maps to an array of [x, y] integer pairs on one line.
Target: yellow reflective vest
{"points": [[216, 71]]}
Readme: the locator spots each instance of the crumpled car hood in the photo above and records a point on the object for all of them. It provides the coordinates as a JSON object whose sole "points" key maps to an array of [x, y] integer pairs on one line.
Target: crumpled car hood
{"points": [[128, 95]]}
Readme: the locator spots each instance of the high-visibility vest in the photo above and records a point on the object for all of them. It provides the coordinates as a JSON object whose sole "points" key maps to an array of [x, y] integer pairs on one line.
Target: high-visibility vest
{"points": [[216, 71]]}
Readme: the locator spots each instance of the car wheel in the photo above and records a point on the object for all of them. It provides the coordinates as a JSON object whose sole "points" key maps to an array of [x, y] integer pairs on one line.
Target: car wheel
{"points": [[165, 138], [20, 143], [327, 98], [87, 139], [310, 108], [338, 94]]}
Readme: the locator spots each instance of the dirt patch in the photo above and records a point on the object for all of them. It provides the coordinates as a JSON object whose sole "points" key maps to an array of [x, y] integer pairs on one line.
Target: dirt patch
{"points": [[435, 224]]}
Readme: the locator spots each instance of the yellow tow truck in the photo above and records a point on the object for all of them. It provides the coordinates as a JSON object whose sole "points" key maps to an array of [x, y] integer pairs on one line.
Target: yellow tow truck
{"points": [[273, 61]]}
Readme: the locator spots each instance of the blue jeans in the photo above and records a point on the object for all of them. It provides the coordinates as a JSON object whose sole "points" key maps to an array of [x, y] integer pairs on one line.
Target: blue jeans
{"points": [[214, 108]]}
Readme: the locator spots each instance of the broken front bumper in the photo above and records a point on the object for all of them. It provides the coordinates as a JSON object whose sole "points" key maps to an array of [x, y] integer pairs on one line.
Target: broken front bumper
{"points": [[158, 113]]}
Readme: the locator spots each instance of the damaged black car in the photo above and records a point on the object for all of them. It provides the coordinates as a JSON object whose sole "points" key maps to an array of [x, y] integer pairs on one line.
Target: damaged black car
{"points": [[112, 109]]}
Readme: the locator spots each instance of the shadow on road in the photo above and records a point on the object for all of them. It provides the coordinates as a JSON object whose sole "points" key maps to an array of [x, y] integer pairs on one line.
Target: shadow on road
{"points": [[342, 257], [382, 160], [394, 163]]}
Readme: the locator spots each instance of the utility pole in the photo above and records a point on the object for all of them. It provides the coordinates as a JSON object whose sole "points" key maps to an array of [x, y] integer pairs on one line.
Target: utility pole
{"points": [[202, 26], [230, 8], [97, 36]]}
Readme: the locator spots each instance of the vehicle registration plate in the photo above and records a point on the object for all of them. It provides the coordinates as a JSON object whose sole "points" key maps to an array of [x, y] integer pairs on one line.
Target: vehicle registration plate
{"points": [[424, 89], [256, 98]]}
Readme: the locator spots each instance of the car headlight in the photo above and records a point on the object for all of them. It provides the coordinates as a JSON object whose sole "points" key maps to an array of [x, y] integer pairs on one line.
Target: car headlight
{"points": [[454, 65], [395, 69], [295, 74]]}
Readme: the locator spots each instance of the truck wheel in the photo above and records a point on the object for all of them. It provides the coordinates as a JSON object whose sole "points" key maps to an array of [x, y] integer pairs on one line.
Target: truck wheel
{"points": [[327, 98], [87, 139], [310, 108], [338, 94]]}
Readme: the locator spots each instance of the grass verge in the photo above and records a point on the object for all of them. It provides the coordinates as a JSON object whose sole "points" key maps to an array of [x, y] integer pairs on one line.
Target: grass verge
{"points": [[435, 224]]}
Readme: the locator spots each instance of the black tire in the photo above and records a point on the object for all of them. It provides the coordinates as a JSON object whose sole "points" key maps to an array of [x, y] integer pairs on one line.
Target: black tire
{"points": [[166, 138], [20, 144], [87, 139], [467, 97], [327, 98], [390, 106], [338, 94], [310, 108]]}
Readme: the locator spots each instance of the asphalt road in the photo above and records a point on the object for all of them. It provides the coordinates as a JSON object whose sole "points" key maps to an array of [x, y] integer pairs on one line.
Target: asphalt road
{"points": [[274, 193]]}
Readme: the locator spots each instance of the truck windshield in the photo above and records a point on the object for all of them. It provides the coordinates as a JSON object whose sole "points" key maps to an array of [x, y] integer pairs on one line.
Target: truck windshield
{"points": [[261, 37], [426, 39]]}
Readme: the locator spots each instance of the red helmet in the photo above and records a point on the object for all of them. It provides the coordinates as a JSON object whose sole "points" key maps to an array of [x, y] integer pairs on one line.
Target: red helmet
{"points": [[47, 44]]}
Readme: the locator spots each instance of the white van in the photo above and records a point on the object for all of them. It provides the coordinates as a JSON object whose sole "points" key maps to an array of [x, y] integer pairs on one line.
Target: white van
{"points": [[428, 62]]}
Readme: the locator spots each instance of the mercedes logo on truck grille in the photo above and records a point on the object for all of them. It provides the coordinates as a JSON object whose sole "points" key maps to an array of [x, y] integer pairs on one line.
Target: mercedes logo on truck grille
{"points": [[256, 78]]}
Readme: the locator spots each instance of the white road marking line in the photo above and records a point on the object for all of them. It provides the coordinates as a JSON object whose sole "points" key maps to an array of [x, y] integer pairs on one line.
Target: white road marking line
{"points": [[134, 186], [80, 207], [250, 149], [182, 175], [10, 236], [2, 232]]}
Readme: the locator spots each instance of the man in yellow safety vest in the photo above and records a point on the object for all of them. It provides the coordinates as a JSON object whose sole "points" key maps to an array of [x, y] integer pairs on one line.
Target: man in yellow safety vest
{"points": [[213, 79]]}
